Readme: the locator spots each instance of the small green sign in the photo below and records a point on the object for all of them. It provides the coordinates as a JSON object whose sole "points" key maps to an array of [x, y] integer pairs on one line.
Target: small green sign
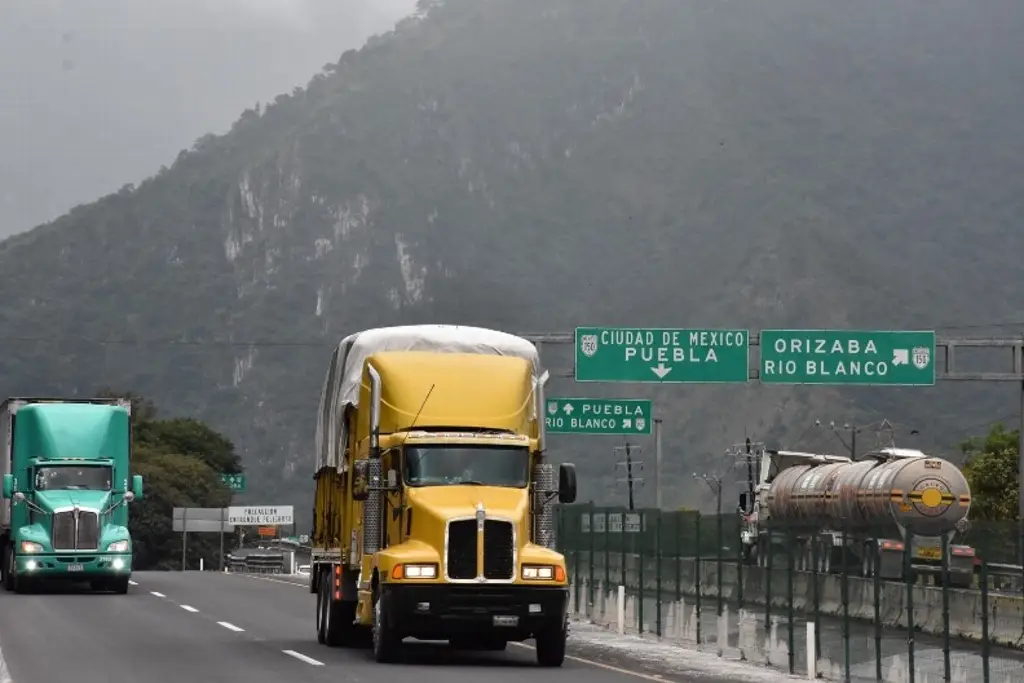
{"points": [[618, 354], [235, 482], [864, 357], [598, 416]]}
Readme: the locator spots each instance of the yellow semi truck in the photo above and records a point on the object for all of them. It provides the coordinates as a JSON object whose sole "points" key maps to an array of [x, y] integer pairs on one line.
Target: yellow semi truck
{"points": [[434, 513]]}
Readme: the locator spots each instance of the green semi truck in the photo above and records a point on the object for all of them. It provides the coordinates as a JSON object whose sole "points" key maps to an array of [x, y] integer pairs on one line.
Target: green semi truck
{"points": [[66, 492]]}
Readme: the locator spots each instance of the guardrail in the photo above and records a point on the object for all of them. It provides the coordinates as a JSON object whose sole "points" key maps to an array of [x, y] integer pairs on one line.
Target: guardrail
{"points": [[262, 563]]}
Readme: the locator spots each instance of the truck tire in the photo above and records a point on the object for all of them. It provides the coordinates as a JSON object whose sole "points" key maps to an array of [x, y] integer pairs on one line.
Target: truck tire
{"points": [[551, 644], [9, 578], [386, 643], [334, 627], [119, 585]]}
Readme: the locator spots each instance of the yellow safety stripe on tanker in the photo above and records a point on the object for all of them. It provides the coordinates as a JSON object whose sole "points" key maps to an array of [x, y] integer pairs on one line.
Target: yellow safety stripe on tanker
{"points": [[896, 496], [965, 501], [932, 498]]}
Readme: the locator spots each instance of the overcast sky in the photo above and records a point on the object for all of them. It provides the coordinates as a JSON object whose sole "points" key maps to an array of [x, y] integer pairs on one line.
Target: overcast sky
{"points": [[98, 93]]}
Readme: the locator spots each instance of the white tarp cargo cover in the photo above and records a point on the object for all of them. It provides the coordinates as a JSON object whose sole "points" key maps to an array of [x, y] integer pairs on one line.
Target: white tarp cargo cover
{"points": [[341, 386]]}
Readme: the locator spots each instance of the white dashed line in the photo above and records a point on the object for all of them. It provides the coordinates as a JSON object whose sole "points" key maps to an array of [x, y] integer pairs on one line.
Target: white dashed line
{"points": [[231, 627], [188, 608], [159, 595], [302, 657], [132, 583]]}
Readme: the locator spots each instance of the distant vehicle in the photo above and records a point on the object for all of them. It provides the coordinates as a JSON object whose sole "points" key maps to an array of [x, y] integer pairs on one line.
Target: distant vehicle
{"points": [[433, 515], [877, 498], [66, 477]]}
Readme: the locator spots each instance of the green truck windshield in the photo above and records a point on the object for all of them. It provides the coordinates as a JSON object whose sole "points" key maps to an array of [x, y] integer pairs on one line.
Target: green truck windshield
{"points": [[64, 477]]}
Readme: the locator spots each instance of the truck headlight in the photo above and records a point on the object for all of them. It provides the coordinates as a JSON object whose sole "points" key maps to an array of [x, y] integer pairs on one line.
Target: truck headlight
{"points": [[118, 547], [31, 547], [543, 572], [414, 571]]}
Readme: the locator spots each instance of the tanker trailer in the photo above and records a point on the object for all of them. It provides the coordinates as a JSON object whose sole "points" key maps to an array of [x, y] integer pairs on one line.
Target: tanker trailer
{"points": [[877, 501]]}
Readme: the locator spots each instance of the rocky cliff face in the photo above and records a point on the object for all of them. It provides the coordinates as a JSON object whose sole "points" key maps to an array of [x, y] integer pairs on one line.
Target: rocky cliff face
{"points": [[534, 166]]}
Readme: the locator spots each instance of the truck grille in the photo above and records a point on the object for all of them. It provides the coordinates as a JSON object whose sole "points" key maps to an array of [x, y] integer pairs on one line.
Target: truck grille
{"points": [[64, 530], [499, 550], [67, 535], [462, 549]]}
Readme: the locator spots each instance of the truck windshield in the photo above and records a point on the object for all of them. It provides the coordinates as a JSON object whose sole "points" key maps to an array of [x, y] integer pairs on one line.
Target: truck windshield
{"points": [[445, 465], [65, 477]]}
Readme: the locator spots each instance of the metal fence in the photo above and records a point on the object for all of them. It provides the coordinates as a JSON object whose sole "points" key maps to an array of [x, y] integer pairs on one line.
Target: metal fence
{"points": [[690, 578], [262, 563]]}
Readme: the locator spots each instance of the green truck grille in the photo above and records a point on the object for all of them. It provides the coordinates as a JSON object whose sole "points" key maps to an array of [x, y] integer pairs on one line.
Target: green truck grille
{"points": [[75, 530]]}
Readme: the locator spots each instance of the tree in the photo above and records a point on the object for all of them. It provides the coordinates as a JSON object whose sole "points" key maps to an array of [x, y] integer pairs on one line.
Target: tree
{"points": [[181, 461], [991, 471]]}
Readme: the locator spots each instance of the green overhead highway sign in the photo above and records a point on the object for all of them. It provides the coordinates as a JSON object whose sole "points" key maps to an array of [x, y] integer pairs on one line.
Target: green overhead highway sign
{"points": [[235, 482], [618, 354], [598, 416], [892, 358]]}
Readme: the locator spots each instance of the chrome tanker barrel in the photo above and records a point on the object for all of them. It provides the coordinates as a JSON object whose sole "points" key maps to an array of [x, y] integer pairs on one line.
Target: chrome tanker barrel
{"points": [[893, 489]]}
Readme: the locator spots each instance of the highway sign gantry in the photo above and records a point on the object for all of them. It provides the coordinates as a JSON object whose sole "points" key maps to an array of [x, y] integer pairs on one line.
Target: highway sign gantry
{"points": [[261, 515], [850, 357], [619, 354], [598, 416]]}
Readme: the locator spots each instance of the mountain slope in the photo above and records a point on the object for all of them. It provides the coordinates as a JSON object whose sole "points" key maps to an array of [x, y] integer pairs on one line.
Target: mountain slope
{"points": [[538, 165]]}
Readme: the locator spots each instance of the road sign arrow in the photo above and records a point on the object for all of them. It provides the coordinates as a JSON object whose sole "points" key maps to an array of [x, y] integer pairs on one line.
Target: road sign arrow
{"points": [[661, 370], [567, 409]]}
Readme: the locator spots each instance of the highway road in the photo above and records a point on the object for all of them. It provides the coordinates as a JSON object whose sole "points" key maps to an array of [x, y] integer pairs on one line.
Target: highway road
{"points": [[213, 627]]}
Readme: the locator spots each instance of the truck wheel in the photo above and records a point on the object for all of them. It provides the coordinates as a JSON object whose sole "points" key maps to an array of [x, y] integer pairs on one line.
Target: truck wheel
{"points": [[386, 643], [321, 614], [119, 585], [551, 645], [9, 579]]}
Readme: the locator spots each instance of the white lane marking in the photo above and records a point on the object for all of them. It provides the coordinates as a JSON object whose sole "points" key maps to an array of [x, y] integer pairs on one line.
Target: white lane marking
{"points": [[188, 608], [302, 657], [266, 578], [159, 595], [606, 667], [132, 583], [231, 627]]}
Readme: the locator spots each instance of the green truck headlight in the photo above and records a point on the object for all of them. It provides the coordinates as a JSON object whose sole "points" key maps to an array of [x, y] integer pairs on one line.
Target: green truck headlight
{"points": [[118, 547], [31, 547]]}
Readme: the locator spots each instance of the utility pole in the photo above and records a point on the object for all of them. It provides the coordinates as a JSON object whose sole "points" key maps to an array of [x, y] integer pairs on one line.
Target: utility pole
{"points": [[629, 463]]}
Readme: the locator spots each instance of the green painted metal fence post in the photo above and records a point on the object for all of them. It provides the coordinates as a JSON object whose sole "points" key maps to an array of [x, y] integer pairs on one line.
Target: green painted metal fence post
{"points": [[638, 540], [593, 547], [986, 643], [657, 570], [845, 592], [790, 570], [947, 674], [698, 578], [739, 565], [908, 575]]}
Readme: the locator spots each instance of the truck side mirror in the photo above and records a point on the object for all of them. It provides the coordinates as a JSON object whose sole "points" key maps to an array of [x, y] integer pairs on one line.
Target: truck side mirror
{"points": [[566, 483], [360, 480], [8, 486], [137, 486]]}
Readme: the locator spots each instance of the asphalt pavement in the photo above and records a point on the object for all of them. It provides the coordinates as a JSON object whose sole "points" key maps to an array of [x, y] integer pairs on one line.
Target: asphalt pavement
{"points": [[209, 626]]}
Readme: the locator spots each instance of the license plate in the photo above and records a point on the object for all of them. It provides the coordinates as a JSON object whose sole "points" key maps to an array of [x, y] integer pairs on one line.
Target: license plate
{"points": [[929, 553], [75, 568], [505, 620]]}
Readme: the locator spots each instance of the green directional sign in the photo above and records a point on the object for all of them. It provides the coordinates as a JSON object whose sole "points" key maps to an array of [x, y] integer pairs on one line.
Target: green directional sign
{"points": [[619, 354], [598, 416], [235, 482], [864, 357]]}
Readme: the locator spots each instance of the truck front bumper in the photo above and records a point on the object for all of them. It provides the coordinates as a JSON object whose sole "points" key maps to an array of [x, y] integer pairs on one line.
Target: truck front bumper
{"points": [[443, 611], [74, 567]]}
